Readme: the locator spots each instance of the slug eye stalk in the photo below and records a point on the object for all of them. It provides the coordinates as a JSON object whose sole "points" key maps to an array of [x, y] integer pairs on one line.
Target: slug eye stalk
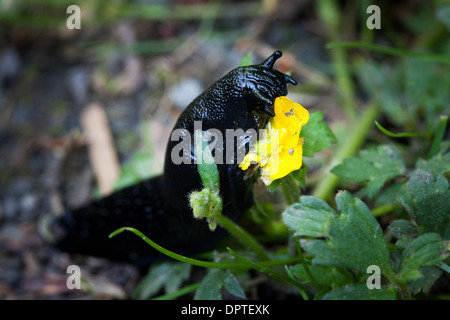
{"points": [[270, 62]]}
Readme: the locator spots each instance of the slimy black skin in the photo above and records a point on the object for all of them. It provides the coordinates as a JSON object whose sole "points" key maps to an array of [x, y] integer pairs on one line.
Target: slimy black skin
{"points": [[159, 207]]}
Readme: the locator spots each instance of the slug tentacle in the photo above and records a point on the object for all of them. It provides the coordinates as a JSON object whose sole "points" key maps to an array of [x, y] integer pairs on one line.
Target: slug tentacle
{"points": [[270, 61], [290, 80]]}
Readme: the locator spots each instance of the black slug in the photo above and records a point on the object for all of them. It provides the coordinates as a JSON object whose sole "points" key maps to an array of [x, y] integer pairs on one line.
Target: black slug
{"points": [[159, 207]]}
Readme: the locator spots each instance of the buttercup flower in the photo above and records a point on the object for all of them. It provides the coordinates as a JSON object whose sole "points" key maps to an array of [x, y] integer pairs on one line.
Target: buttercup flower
{"points": [[280, 148]]}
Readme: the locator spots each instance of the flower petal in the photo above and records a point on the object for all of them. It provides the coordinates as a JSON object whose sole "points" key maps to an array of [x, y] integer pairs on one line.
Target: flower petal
{"points": [[280, 150]]}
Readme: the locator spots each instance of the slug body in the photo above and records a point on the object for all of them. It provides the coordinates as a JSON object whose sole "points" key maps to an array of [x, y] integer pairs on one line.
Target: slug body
{"points": [[159, 207]]}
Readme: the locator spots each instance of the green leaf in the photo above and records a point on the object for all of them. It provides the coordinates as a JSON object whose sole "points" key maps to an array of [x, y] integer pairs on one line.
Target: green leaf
{"points": [[137, 169], [311, 217], [421, 93], [404, 242], [206, 203], [246, 60], [444, 266], [142, 164], [360, 291], [167, 275], [375, 166], [207, 168], [317, 135], [271, 272], [391, 194], [232, 286], [381, 83], [439, 164], [411, 82], [300, 175], [403, 228], [214, 281], [429, 276], [127, 177], [428, 202], [210, 286], [356, 240], [428, 249], [327, 276]]}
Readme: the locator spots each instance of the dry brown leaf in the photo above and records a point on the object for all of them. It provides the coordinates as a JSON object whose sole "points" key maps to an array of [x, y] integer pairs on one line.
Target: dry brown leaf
{"points": [[102, 154]]}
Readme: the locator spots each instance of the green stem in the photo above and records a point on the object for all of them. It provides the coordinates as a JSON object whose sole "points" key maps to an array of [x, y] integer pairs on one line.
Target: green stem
{"points": [[438, 136], [259, 211], [304, 264], [401, 134], [293, 187], [286, 192], [301, 290], [270, 272], [179, 293], [382, 210], [199, 263], [367, 34], [344, 82], [173, 255], [329, 13], [242, 235], [347, 148]]}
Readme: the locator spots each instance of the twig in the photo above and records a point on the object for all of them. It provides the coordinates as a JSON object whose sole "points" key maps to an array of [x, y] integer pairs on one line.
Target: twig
{"points": [[102, 153]]}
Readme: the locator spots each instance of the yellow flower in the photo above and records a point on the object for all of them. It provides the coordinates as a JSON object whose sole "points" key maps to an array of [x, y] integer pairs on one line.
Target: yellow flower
{"points": [[280, 148]]}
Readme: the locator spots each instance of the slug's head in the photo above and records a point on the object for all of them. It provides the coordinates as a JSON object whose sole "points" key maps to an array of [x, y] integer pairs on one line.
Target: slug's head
{"points": [[262, 84]]}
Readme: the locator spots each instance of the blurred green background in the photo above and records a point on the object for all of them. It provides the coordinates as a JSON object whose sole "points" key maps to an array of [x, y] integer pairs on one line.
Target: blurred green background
{"points": [[144, 61]]}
